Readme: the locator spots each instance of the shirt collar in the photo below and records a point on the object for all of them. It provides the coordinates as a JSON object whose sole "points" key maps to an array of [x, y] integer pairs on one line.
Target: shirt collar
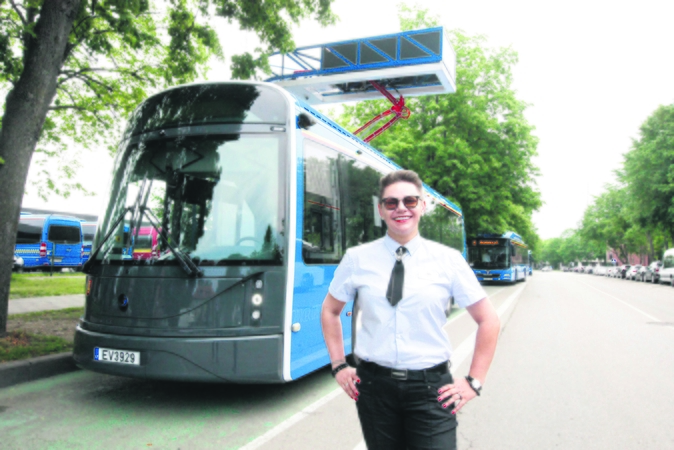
{"points": [[412, 246]]}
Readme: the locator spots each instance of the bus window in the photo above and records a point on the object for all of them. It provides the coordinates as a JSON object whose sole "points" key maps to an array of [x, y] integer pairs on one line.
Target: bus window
{"points": [[322, 209], [30, 230], [441, 225], [218, 198], [64, 234], [360, 197]]}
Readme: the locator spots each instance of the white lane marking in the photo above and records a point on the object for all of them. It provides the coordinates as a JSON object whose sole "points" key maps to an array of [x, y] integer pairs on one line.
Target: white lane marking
{"points": [[623, 302], [465, 349], [289, 422]]}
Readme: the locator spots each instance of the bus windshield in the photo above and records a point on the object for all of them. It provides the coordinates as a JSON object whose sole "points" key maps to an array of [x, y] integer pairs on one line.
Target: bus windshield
{"points": [[492, 257], [217, 199]]}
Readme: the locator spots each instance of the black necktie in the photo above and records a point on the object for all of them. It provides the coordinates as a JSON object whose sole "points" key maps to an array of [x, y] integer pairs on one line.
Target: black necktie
{"points": [[394, 293]]}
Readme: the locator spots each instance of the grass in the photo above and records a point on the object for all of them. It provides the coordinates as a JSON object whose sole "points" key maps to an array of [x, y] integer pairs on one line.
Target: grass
{"points": [[38, 285], [39, 333], [57, 314], [19, 344]]}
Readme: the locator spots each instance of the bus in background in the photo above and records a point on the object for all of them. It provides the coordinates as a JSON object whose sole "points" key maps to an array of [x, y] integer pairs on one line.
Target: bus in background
{"points": [[88, 233], [146, 243], [49, 240], [502, 258]]}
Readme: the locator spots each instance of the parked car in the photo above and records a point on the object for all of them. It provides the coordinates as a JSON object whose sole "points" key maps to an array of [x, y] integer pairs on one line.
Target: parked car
{"points": [[632, 272], [547, 269], [667, 271], [18, 263], [622, 271], [652, 272], [610, 271], [600, 270]]}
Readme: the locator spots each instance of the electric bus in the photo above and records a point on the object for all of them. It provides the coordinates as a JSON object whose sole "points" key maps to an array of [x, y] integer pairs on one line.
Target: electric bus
{"points": [[254, 197], [499, 258]]}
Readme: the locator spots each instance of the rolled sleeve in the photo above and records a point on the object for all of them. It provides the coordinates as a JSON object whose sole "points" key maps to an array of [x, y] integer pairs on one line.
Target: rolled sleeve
{"points": [[342, 287], [465, 289]]}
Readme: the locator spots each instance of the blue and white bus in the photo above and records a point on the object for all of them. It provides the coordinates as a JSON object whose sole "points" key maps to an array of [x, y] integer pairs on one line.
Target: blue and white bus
{"points": [[46, 241], [256, 196], [500, 258]]}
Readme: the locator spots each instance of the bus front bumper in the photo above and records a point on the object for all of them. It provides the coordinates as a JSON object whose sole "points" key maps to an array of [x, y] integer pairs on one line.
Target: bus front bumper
{"points": [[256, 359]]}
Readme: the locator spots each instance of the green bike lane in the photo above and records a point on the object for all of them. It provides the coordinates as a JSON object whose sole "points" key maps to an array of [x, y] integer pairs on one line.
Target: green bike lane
{"points": [[90, 410]]}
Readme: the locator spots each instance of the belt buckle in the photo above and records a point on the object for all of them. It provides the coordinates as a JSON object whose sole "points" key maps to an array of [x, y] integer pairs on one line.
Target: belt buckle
{"points": [[399, 374]]}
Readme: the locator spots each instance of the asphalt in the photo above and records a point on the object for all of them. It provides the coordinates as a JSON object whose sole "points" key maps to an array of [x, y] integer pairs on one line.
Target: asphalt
{"points": [[16, 372]]}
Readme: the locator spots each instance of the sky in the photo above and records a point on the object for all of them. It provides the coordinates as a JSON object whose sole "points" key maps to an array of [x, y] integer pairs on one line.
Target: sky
{"points": [[591, 71]]}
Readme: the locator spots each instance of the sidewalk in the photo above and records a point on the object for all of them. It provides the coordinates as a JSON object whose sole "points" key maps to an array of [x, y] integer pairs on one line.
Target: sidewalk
{"points": [[24, 305]]}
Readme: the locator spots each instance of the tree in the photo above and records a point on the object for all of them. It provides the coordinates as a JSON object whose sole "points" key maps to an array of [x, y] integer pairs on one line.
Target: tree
{"points": [[75, 68], [648, 170], [475, 146], [608, 221]]}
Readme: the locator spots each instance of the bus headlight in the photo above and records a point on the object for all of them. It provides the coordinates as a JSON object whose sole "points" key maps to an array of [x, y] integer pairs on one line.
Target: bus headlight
{"points": [[255, 315], [256, 299]]}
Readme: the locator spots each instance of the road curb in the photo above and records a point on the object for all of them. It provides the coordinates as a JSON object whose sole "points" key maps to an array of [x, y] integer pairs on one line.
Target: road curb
{"points": [[16, 372]]}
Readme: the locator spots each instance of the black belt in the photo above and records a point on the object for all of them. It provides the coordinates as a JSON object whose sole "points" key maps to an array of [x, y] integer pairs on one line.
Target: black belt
{"points": [[404, 374]]}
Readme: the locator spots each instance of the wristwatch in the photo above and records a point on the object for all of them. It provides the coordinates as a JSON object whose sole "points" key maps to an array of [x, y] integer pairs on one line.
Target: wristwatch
{"points": [[474, 383]]}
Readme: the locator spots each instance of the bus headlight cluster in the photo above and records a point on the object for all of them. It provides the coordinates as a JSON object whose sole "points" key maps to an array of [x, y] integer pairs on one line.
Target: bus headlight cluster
{"points": [[256, 300]]}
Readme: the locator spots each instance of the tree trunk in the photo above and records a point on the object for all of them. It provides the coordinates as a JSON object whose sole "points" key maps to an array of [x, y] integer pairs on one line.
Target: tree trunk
{"points": [[651, 254], [26, 108]]}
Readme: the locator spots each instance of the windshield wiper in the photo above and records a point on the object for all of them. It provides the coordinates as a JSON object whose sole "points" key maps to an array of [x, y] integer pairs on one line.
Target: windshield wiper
{"points": [[185, 261], [86, 268]]}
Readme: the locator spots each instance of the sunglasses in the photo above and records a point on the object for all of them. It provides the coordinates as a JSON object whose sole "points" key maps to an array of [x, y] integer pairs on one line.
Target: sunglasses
{"points": [[391, 203]]}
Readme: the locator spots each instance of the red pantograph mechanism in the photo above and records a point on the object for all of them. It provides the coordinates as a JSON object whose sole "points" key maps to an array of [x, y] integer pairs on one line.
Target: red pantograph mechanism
{"points": [[399, 111]]}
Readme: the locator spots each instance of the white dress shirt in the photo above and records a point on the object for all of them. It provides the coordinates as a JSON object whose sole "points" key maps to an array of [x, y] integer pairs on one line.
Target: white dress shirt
{"points": [[409, 335]]}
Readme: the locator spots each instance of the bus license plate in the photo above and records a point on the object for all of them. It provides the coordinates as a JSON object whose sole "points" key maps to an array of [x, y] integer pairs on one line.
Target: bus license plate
{"points": [[58, 260], [116, 356]]}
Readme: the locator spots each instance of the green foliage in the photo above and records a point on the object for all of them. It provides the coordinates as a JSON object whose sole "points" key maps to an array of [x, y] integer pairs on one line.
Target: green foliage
{"points": [[475, 146], [21, 345], [638, 215], [122, 51], [648, 171], [570, 248]]}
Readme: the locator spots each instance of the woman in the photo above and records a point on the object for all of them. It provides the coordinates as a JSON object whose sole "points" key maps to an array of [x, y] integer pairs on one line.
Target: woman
{"points": [[406, 396]]}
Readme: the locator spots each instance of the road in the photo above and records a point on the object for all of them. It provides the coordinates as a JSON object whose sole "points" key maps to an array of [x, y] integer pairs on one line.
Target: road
{"points": [[583, 362]]}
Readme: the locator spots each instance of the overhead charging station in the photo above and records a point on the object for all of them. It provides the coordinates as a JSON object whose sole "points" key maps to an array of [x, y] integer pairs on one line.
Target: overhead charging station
{"points": [[409, 64]]}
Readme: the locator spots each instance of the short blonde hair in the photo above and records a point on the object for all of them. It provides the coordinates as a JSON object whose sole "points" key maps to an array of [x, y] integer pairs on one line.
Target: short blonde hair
{"points": [[408, 176]]}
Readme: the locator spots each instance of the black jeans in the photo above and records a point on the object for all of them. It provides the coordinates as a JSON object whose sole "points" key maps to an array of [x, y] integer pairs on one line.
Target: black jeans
{"points": [[404, 415]]}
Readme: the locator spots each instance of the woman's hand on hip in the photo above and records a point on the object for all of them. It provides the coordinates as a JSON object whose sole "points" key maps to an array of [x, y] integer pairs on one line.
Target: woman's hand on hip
{"points": [[348, 379], [456, 394]]}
